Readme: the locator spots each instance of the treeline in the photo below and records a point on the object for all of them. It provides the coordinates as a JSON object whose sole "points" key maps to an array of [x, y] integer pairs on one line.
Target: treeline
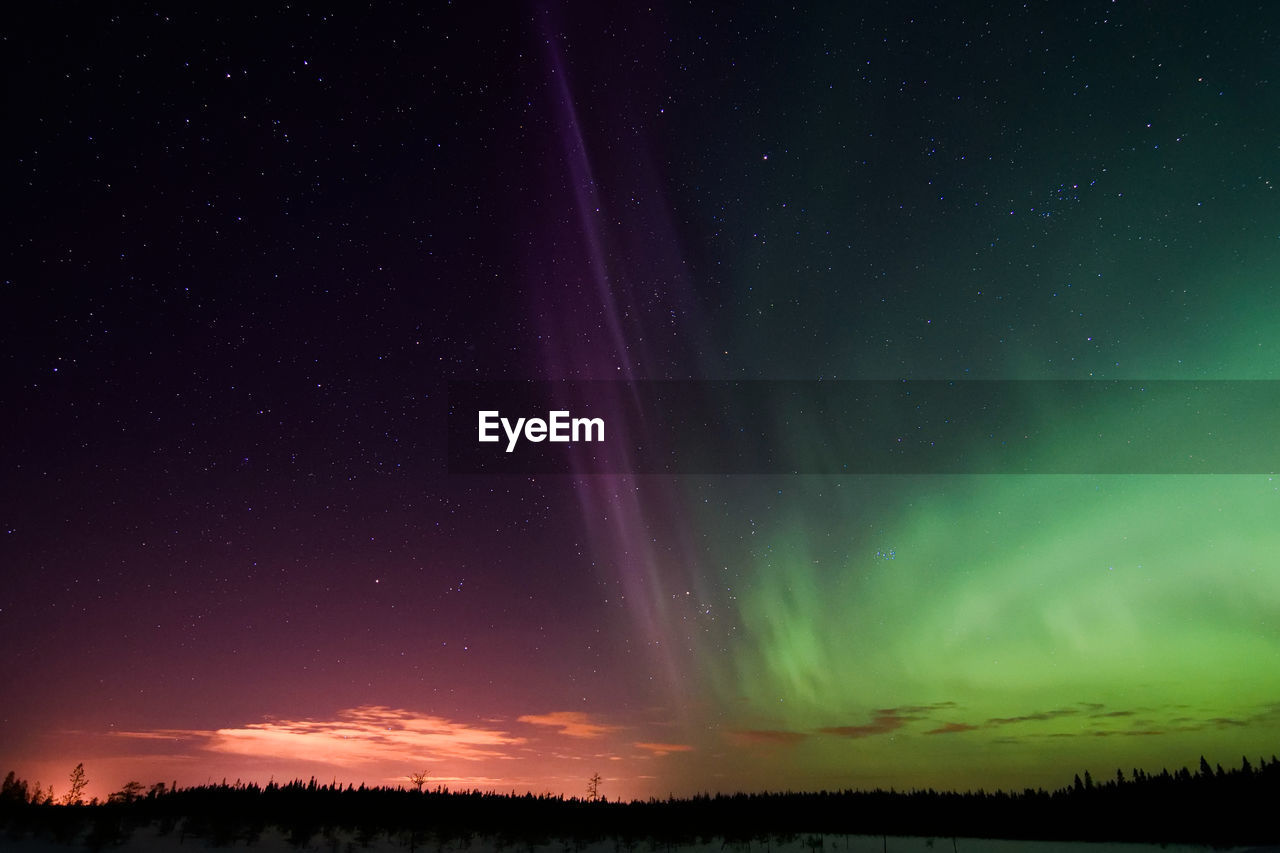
{"points": [[1210, 806]]}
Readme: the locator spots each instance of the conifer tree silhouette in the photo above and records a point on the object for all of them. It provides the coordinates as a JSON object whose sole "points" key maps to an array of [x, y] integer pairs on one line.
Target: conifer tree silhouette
{"points": [[74, 795]]}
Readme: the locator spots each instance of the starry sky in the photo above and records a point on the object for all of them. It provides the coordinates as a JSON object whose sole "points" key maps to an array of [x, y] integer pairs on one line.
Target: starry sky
{"points": [[247, 250]]}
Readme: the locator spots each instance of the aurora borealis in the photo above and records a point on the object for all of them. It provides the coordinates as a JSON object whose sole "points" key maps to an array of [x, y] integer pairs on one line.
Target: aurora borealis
{"points": [[249, 251]]}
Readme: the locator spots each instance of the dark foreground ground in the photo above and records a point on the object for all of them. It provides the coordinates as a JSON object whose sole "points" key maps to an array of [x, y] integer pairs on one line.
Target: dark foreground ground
{"points": [[1236, 808]]}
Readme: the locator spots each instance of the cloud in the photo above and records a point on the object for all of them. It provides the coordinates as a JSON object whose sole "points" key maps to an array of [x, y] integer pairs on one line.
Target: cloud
{"points": [[952, 728], [571, 723], [355, 736], [1092, 710], [920, 709], [767, 736], [163, 734], [1264, 714], [887, 720], [665, 748], [1036, 716], [884, 721]]}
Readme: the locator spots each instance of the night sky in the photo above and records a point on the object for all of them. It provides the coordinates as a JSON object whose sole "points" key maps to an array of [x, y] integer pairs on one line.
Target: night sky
{"points": [[245, 252]]}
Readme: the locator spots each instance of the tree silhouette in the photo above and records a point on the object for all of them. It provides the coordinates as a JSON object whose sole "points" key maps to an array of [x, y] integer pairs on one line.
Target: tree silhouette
{"points": [[418, 780], [1236, 809], [14, 789], [130, 792], [78, 781]]}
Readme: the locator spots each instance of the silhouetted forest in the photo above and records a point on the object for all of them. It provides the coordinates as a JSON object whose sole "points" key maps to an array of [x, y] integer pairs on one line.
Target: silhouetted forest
{"points": [[1210, 805]]}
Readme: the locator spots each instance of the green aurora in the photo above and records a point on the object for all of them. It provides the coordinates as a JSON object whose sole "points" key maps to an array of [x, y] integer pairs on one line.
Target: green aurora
{"points": [[1105, 211], [888, 629]]}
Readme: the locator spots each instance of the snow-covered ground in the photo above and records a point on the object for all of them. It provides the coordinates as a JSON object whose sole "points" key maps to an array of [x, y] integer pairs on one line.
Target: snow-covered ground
{"points": [[272, 841]]}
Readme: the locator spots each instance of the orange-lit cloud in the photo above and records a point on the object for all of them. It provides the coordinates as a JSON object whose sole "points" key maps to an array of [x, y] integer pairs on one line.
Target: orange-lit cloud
{"points": [[164, 734], [571, 723], [664, 748], [356, 736]]}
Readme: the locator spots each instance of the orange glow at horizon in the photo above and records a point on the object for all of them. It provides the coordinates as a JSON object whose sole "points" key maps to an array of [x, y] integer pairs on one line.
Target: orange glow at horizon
{"points": [[549, 753]]}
